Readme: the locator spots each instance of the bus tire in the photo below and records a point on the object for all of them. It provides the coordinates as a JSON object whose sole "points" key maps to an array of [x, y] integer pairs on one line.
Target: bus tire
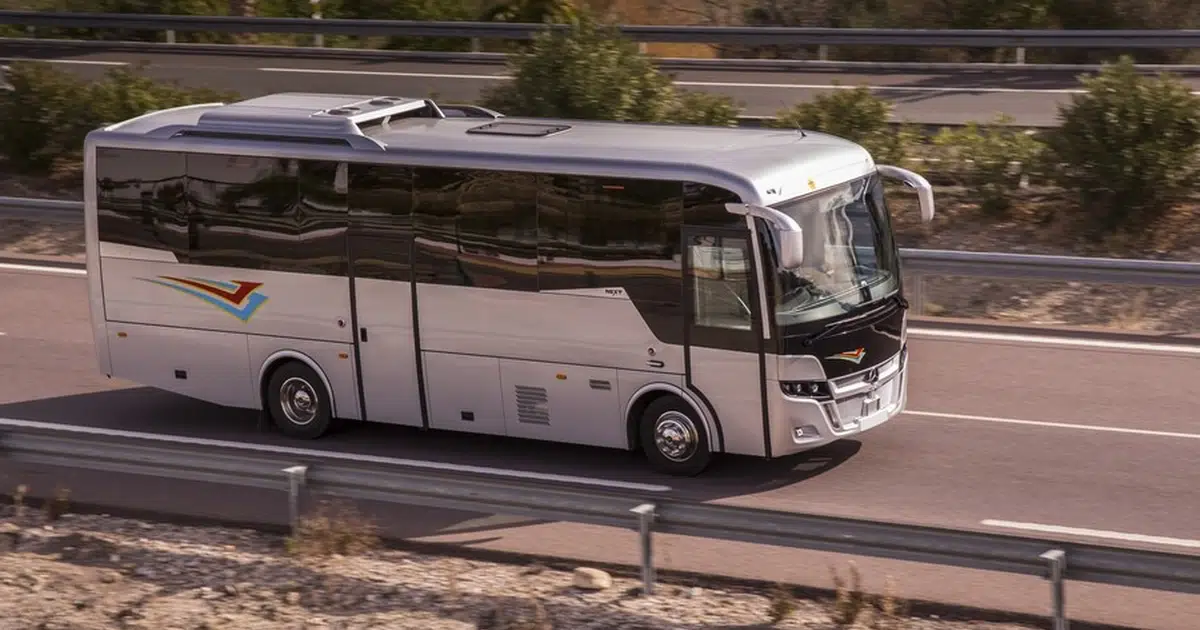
{"points": [[673, 437], [297, 401]]}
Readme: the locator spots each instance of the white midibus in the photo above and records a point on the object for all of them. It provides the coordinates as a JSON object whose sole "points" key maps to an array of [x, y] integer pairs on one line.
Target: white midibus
{"points": [[678, 289]]}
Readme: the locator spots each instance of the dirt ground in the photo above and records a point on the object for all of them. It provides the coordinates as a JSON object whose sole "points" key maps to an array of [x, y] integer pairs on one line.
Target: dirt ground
{"points": [[85, 572]]}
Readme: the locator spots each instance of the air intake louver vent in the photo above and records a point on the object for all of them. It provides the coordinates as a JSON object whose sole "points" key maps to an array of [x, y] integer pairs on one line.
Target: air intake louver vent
{"points": [[533, 405]]}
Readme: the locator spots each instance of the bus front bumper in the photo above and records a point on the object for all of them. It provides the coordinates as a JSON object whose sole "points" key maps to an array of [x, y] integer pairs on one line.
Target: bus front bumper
{"points": [[860, 402]]}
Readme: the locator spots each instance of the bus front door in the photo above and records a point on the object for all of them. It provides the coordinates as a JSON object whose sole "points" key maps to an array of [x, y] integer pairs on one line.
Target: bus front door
{"points": [[725, 362]]}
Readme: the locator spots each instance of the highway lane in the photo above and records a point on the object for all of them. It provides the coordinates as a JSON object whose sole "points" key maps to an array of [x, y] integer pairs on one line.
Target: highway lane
{"points": [[947, 471], [1031, 96]]}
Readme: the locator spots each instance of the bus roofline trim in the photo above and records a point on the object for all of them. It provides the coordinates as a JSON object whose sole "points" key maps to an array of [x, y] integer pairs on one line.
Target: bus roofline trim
{"points": [[912, 180], [305, 359], [155, 112]]}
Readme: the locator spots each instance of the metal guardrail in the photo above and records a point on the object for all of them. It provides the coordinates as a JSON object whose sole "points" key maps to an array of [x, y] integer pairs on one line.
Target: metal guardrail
{"points": [[37, 209], [758, 35], [918, 262], [649, 509]]}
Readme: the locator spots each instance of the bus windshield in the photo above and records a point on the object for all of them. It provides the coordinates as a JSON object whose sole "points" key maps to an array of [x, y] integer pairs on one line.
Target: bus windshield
{"points": [[850, 257]]}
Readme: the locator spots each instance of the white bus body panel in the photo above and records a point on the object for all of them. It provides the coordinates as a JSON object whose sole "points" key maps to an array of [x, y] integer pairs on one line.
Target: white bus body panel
{"points": [[228, 300], [551, 366], [91, 238], [558, 328], [215, 365], [731, 385], [388, 357], [221, 325]]}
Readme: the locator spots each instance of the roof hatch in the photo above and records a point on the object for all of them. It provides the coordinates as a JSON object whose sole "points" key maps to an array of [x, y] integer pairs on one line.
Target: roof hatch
{"points": [[526, 129]]}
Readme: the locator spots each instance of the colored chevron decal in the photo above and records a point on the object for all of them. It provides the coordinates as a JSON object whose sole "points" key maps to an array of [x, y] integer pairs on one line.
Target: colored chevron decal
{"points": [[238, 298]]}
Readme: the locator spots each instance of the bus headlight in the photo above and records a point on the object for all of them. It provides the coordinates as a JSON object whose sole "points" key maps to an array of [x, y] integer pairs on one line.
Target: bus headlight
{"points": [[806, 389]]}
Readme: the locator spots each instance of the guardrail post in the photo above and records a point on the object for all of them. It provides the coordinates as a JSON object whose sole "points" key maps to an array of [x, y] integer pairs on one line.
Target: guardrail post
{"points": [[1057, 558], [646, 515], [916, 296], [171, 36], [823, 52], [296, 477], [1020, 55], [318, 38]]}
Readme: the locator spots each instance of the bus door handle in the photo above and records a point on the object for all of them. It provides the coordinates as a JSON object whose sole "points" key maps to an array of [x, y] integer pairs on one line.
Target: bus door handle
{"points": [[362, 334], [655, 363]]}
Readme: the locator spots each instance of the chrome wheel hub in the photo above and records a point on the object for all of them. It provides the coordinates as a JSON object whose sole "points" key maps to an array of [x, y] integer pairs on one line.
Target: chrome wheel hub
{"points": [[675, 436], [299, 401]]}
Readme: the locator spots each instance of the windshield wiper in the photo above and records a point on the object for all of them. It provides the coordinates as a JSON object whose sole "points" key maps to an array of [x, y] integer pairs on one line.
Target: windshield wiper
{"points": [[836, 325]]}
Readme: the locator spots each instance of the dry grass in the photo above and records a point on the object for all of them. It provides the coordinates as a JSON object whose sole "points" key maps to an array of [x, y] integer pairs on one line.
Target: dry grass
{"points": [[334, 528], [54, 507], [853, 608], [532, 617], [783, 603], [19, 500], [57, 505]]}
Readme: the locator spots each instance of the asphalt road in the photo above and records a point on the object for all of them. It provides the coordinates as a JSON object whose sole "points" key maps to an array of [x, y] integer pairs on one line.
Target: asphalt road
{"points": [[1088, 437], [1030, 96]]}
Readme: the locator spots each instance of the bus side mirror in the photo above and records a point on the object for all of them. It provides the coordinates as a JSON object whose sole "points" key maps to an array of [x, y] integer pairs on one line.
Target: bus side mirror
{"points": [[791, 249], [912, 180], [791, 238], [341, 179]]}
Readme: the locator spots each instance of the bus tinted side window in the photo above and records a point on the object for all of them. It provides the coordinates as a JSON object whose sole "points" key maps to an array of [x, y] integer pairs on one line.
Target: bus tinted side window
{"points": [[704, 205], [476, 228], [140, 200], [381, 224], [255, 213], [622, 234]]}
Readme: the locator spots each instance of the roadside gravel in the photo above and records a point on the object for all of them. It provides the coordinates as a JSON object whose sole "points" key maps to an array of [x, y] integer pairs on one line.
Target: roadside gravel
{"points": [[85, 572]]}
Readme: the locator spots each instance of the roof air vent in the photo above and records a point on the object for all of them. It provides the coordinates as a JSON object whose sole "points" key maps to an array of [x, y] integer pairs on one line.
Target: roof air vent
{"points": [[529, 130]]}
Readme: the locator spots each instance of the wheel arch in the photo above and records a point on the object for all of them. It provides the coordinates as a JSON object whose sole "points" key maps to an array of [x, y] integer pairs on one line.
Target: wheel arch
{"points": [[647, 394], [280, 357]]}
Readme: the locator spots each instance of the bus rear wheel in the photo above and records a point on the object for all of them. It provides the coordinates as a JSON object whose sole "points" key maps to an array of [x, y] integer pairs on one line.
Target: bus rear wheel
{"points": [[298, 402], [673, 438]]}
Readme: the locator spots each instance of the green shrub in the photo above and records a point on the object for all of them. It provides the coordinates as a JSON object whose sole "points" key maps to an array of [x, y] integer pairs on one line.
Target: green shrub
{"points": [[982, 160], [590, 71], [855, 114], [703, 108], [587, 71], [47, 114], [1129, 148]]}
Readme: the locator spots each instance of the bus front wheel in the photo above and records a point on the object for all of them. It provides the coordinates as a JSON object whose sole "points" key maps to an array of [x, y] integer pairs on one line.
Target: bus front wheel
{"points": [[297, 401], [673, 437]]}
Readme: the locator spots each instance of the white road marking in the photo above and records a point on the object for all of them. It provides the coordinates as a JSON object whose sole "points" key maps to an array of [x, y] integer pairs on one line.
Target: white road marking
{"points": [[77, 62], [728, 84], [1055, 425], [1099, 344], [62, 271], [350, 458], [381, 73], [1094, 533], [891, 88]]}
